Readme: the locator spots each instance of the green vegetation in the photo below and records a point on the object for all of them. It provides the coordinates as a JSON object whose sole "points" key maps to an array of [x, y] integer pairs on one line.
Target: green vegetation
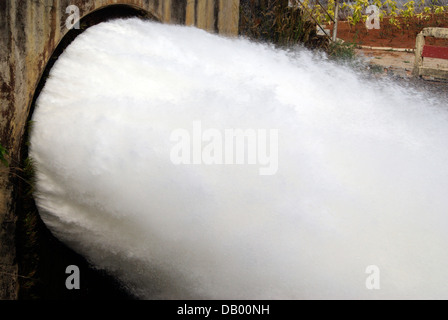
{"points": [[342, 51], [275, 22], [28, 236], [3, 155], [389, 9], [28, 223]]}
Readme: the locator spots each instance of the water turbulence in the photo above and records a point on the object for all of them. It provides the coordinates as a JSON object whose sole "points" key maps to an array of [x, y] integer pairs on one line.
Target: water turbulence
{"points": [[359, 176]]}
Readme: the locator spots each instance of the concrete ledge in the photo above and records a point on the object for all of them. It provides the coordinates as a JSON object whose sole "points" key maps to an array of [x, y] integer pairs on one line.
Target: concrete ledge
{"points": [[388, 49], [441, 74], [419, 45], [435, 32]]}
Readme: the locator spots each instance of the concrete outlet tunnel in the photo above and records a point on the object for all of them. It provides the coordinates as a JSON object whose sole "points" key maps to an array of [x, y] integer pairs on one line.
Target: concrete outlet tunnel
{"points": [[33, 34]]}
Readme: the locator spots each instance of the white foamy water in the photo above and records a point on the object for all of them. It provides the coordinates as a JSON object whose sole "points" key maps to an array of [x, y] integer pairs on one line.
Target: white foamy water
{"points": [[362, 174]]}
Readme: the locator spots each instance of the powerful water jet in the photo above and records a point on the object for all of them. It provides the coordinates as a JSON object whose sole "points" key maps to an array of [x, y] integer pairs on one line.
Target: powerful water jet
{"points": [[361, 181]]}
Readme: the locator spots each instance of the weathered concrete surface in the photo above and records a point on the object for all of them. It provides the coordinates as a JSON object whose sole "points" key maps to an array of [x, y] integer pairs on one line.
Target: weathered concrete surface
{"points": [[29, 33], [438, 69], [435, 32]]}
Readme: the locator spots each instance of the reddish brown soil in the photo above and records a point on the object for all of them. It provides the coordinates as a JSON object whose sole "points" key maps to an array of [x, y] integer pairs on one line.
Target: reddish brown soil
{"points": [[389, 36]]}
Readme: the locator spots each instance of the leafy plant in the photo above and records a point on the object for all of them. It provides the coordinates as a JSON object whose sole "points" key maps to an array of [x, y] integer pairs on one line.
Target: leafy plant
{"points": [[408, 13], [276, 22], [330, 9], [342, 51], [357, 10], [410, 17], [3, 154]]}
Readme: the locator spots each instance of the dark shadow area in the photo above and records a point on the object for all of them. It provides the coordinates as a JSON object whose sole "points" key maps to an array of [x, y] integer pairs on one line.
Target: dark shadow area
{"points": [[43, 259]]}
